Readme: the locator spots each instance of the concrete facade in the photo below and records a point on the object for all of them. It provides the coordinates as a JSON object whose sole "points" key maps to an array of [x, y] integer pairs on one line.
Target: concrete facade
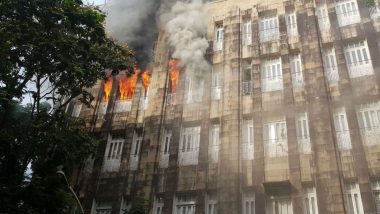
{"points": [[286, 121]]}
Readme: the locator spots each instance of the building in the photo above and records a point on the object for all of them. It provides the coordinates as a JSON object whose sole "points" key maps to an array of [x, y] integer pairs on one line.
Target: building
{"points": [[287, 121]]}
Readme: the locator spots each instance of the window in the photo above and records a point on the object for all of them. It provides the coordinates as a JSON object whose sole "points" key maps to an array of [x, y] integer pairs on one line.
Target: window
{"points": [[165, 146], [358, 59], [215, 86], [303, 137], [347, 12], [248, 140], [214, 143], [77, 109], [185, 205], [135, 150], [279, 205], [296, 69], [194, 90], [247, 81], [341, 129], [158, 205], [112, 155], [275, 139], [330, 65], [102, 208], [323, 18], [272, 75], [247, 33], [219, 37], [310, 204], [269, 29], [249, 202], [354, 199], [211, 204], [376, 194], [369, 123], [291, 24], [189, 146]]}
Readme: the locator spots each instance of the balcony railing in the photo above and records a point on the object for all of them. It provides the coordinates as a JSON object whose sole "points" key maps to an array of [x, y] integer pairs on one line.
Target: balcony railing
{"points": [[248, 151], [272, 84], [218, 46], [344, 140], [276, 147], [269, 35], [374, 12], [297, 80], [123, 106], [370, 135], [348, 18], [215, 93], [332, 74], [304, 145], [247, 88], [362, 68], [213, 153], [188, 158], [193, 96], [111, 164]]}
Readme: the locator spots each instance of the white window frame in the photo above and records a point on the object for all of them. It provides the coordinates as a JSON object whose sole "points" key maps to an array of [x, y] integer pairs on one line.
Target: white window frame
{"points": [[269, 29], [213, 149], [77, 110], [323, 18], [247, 33], [189, 146], [342, 130], [275, 139], [271, 75], [375, 186], [296, 70], [274, 202], [248, 145], [358, 59], [310, 201], [158, 205], [291, 24], [354, 199], [347, 12], [194, 90], [219, 38], [165, 148], [112, 154], [211, 204], [369, 123], [249, 203], [185, 204], [303, 133], [135, 151], [330, 65], [216, 85]]}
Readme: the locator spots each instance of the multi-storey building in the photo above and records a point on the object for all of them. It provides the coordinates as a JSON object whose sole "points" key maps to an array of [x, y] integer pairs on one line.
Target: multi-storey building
{"points": [[286, 121]]}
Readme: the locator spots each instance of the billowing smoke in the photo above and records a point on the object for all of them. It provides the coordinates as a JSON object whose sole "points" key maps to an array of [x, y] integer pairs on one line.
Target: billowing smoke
{"points": [[185, 23], [134, 22]]}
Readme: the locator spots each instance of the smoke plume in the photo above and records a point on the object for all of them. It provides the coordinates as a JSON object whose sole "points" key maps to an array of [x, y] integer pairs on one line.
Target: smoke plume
{"points": [[134, 22], [185, 23]]}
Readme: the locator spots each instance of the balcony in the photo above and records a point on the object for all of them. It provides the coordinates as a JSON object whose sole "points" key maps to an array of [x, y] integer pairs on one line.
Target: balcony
{"points": [[276, 147], [193, 96], [304, 145], [374, 12], [247, 151], [272, 84], [213, 153], [187, 158], [297, 80], [102, 108], [123, 106], [215, 93], [370, 135], [111, 164], [218, 46], [247, 88], [362, 68], [344, 140], [143, 104]]}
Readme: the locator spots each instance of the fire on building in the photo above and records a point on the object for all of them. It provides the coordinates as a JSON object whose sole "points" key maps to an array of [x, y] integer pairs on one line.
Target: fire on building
{"points": [[284, 117]]}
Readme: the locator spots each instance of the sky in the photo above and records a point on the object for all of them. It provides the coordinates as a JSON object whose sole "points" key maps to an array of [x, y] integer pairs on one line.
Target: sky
{"points": [[96, 2]]}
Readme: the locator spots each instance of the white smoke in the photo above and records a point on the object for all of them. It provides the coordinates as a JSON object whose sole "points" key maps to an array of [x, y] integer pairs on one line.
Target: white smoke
{"points": [[186, 26]]}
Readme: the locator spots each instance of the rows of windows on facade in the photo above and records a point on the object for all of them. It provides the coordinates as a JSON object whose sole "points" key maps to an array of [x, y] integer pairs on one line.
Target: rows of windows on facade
{"points": [[273, 205]]}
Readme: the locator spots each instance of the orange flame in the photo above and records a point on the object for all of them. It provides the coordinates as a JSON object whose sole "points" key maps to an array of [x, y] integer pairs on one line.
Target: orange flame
{"points": [[173, 74], [127, 86], [107, 89], [146, 80]]}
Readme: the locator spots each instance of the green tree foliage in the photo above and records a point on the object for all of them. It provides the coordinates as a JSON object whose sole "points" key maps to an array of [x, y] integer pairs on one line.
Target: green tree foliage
{"points": [[50, 52]]}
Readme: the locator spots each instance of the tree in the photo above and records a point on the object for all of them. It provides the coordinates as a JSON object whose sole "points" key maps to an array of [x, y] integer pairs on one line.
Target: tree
{"points": [[50, 51]]}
